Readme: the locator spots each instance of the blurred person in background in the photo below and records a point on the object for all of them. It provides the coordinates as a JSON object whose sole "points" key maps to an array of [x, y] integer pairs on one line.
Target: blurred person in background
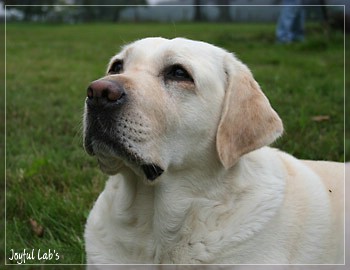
{"points": [[290, 25]]}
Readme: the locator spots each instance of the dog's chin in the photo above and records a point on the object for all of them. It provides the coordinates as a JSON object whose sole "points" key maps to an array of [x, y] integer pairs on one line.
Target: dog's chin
{"points": [[111, 160], [110, 166]]}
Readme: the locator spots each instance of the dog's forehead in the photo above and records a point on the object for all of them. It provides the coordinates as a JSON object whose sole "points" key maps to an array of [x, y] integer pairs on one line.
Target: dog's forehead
{"points": [[158, 47], [145, 45], [141, 47], [193, 45]]}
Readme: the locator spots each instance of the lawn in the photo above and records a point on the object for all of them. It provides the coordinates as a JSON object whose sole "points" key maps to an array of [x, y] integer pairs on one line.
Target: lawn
{"points": [[49, 178]]}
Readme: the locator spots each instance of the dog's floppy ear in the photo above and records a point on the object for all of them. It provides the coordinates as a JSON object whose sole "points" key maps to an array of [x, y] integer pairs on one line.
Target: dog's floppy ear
{"points": [[248, 121]]}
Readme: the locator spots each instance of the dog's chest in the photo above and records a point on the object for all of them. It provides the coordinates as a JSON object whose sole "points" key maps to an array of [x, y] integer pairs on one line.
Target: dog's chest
{"points": [[159, 231], [158, 225], [188, 230]]}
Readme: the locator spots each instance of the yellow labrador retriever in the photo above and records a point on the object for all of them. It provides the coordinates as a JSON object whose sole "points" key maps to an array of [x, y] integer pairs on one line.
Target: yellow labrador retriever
{"points": [[182, 129]]}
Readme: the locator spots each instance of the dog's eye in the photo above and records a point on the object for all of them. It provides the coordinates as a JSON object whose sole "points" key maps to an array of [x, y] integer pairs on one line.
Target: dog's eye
{"points": [[116, 68], [178, 73]]}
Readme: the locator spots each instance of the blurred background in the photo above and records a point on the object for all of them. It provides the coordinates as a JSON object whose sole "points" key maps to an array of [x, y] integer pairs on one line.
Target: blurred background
{"points": [[80, 11], [54, 49]]}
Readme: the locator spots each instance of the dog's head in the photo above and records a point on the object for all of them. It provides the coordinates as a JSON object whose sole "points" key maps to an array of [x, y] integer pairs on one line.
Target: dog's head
{"points": [[171, 104]]}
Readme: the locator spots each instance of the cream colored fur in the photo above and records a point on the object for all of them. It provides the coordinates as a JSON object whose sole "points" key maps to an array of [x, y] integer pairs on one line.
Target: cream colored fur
{"points": [[224, 197]]}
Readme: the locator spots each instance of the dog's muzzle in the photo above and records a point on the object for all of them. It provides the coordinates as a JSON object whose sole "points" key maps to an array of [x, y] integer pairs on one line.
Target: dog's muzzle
{"points": [[103, 136]]}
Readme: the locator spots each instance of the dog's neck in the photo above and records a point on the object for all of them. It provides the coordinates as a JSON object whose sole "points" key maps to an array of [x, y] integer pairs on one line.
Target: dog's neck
{"points": [[169, 207]]}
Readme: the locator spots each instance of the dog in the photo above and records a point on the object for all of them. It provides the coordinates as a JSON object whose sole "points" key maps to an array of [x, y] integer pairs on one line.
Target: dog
{"points": [[182, 129]]}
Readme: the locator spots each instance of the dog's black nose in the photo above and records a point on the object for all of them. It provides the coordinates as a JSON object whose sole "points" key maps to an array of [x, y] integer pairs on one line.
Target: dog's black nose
{"points": [[103, 92]]}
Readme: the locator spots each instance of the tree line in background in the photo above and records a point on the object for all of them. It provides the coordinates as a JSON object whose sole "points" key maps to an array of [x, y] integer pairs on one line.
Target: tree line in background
{"points": [[49, 10], [45, 10], [80, 11]]}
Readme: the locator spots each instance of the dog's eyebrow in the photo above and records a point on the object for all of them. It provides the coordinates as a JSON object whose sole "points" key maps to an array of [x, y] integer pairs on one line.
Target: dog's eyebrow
{"points": [[128, 51], [123, 54]]}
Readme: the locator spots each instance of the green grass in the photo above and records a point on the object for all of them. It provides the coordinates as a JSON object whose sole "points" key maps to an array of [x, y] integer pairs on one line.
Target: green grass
{"points": [[51, 179]]}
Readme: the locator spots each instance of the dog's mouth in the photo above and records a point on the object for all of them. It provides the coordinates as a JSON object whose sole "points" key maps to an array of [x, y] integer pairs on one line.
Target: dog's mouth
{"points": [[112, 154]]}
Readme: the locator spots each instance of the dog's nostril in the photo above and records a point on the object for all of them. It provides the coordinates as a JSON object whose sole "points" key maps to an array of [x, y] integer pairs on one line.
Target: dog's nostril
{"points": [[105, 91]]}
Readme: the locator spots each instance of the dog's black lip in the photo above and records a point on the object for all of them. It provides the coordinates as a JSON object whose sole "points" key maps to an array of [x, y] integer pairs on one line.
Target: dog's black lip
{"points": [[152, 171], [116, 147]]}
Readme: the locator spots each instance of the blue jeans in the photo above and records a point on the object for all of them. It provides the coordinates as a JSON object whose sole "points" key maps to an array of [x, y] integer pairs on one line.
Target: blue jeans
{"points": [[290, 26]]}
